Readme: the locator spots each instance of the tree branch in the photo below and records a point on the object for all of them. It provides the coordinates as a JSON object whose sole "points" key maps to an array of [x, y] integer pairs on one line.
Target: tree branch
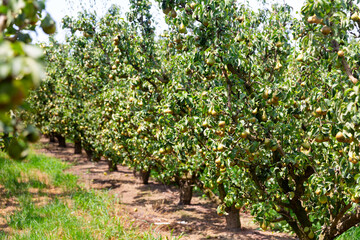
{"points": [[348, 71], [348, 221], [333, 226], [241, 75], [208, 192], [229, 85], [345, 64], [280, 219]]}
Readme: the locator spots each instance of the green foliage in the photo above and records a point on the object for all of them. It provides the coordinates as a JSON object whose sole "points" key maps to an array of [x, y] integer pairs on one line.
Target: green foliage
{"points": [[21, 69], [11, 171]]}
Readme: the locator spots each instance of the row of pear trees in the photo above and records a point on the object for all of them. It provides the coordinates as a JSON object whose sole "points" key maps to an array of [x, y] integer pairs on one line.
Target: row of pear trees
{"points": [[255, 108]]}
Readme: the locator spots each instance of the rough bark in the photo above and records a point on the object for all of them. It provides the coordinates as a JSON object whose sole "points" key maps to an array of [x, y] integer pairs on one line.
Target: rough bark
{"points": [[232, 218], [78, 148], [112, 166], [186, 189], [295, 227], [62, 141], [302, 220]]}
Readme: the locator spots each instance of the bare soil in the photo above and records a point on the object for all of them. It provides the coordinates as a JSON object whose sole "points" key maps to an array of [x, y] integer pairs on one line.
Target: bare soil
{"points": [[7, 207], [155, 205]]}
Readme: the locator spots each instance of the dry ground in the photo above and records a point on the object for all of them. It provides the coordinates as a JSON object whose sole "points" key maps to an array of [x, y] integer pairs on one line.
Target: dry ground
{"points": [[155, 205]]}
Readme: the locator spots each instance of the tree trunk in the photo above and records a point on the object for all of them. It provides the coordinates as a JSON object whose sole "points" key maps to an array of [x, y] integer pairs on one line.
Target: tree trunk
{"points": [[97, 158], [52, 137], [145, 175], [232, 218], [324, 236], [112, 166], [342, 222], [78, 148], [185, 192], [89, 154], [62, 141]]}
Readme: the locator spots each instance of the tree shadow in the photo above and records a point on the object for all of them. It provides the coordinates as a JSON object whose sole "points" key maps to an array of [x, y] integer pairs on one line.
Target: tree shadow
{"points": [[197, 218], [109, 184]]}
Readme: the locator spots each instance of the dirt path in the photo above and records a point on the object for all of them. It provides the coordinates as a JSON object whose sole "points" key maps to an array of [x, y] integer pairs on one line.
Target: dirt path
{"points": [[155, 205]]}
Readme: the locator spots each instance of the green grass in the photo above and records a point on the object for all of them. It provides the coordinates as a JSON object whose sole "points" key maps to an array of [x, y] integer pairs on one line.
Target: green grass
{"points": [[12, 171], [74, 214]]}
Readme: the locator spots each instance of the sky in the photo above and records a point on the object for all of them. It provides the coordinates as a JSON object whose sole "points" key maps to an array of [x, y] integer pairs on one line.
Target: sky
{"points": [[60, 8]]}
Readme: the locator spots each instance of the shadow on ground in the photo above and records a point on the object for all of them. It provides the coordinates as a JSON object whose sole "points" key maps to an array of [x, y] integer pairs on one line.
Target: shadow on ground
{"points": [[155, 204]]}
